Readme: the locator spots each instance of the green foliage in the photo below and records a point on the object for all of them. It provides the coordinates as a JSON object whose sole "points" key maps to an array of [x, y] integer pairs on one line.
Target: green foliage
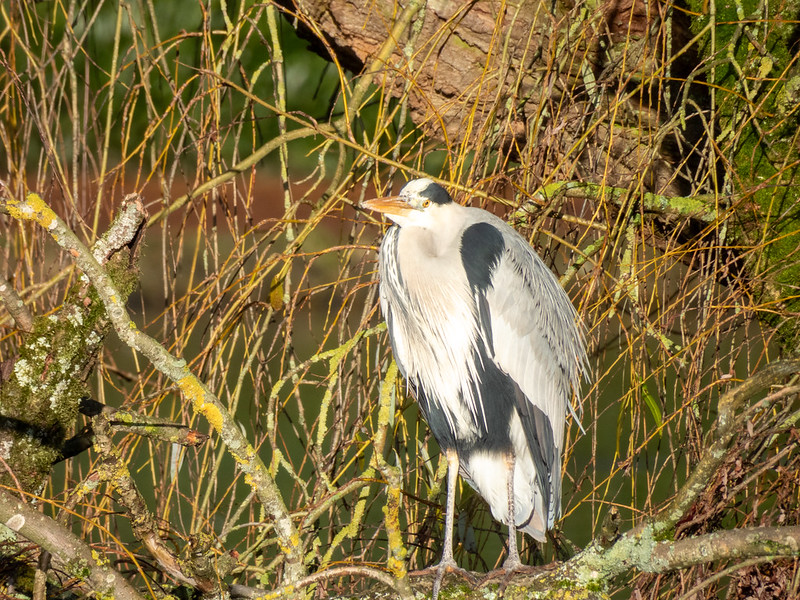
{"points": [[753, 75]]}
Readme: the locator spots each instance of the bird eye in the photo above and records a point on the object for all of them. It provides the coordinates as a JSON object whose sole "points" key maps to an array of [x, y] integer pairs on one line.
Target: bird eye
{"points": [[426, 203]]}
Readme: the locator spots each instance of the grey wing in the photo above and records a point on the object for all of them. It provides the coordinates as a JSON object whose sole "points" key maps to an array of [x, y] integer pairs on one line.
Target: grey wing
{"points": [[537, 341], [535, 331]]}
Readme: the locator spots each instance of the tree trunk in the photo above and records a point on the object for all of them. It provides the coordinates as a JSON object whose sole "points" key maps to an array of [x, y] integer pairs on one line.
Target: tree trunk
{"points": [[585, 90]]}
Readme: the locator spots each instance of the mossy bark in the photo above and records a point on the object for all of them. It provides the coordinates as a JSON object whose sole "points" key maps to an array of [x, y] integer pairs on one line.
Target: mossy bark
{"points": [[40, 395]]}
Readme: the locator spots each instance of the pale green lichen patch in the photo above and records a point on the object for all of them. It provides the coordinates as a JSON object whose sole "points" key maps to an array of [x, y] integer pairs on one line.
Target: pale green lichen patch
{"points": [[596, 566], [39, 402], [78, 568], [6, 534]]}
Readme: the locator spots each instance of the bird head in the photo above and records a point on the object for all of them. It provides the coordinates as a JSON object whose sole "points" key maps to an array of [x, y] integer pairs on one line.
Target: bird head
{"points": [[414, 203]]}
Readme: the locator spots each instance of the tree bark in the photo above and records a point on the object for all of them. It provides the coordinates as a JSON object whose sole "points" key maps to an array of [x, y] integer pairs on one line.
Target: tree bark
{"points": [[41, 389], [74, 556], [583, 87]]}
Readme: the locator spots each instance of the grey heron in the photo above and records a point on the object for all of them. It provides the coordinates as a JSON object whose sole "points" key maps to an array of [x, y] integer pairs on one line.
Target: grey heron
{"points": [[489, 345]]}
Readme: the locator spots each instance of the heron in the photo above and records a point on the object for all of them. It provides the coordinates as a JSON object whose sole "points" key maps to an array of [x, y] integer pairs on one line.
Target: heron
{"points": [[491, 348]]}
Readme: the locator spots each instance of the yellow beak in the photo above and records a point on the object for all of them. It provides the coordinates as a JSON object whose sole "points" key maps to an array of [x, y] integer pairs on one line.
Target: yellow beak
{"points": [[389, 205]]}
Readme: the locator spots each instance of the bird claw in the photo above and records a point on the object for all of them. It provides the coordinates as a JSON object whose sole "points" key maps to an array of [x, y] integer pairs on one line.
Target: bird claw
{"points": [[513, 565], [444, 567], [510, 569]]}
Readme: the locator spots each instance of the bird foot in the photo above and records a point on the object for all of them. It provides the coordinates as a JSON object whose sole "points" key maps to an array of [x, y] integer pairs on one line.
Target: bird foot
{"points": [[510, 569], [513, 565], [439, 571]]}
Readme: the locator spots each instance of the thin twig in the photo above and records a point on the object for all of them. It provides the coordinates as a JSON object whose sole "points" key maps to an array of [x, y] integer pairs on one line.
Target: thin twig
{"points": [[719, 438]]}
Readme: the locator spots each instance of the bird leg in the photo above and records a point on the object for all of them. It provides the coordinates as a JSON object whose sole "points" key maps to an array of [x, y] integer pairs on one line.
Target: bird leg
{"points": [[512, 562], [450, 509], [448, 563]]}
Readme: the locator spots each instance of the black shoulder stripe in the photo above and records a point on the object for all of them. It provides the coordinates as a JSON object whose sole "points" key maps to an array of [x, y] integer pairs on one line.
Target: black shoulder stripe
{"points": [[481, 248]]}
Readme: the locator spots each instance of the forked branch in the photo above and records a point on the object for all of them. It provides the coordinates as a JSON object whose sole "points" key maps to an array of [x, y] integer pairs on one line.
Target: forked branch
{"points": [[33, 208]]}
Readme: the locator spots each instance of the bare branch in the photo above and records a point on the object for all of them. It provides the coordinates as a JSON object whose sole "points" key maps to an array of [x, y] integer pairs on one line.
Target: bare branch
{"points": [[124, 231], [719, 438], [15, 306], [33, 208], [144, 525], [78, 559]]}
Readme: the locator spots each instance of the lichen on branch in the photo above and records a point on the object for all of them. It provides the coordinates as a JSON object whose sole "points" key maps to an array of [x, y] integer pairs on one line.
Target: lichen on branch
{"points": [[33, 208], [39, 400]]}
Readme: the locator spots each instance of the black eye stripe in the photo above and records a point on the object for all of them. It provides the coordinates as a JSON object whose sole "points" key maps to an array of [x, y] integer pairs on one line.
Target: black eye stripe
{"points": [[436, 194], [425, 189]]}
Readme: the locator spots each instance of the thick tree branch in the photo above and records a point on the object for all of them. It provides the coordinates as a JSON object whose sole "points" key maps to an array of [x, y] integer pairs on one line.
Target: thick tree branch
{"points": [[33, 208], [725, 545], [642, 552], [125, 231], [368, 573], [76, 558], [43, 383]]}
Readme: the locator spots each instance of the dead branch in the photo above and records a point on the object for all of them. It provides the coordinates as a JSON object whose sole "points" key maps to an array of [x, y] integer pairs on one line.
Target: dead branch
{"points": [[74, 556], [33, 208], [114, 471]]}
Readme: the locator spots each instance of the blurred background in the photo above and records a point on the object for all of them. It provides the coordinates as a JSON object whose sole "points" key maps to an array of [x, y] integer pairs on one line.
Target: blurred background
{"points": [[648, 151]]}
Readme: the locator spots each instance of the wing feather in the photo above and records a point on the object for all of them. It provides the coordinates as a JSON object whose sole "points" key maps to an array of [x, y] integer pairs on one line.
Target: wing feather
{"points": [[536, 336], [538, 343]]}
